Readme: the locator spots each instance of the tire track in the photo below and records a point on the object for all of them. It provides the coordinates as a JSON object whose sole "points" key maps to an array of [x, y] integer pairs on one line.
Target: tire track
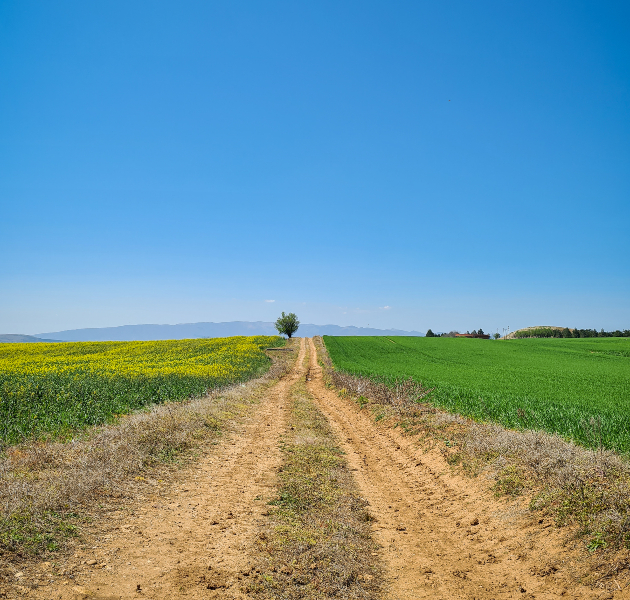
{"points": [[442, 536]]}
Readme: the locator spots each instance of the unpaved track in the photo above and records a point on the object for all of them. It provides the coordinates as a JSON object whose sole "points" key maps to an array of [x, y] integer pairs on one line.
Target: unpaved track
{"points": [[425, 516], [197, 545]]}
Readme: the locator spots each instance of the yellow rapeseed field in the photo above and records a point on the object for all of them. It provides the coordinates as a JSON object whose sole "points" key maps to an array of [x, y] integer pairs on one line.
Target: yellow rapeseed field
{"points": [[54, 388]]}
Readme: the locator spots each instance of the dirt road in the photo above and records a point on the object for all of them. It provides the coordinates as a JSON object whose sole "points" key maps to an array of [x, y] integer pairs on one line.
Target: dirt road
{"points": [[442, 536], [195, 543]]}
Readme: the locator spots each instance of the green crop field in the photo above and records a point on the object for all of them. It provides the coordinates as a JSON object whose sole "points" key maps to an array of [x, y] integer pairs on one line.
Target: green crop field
{"points": [[54, 389], [579, 388]]}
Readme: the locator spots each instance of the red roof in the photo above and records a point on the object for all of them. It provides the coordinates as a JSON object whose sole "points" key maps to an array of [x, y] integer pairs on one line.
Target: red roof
{"points": [[473, 335]]}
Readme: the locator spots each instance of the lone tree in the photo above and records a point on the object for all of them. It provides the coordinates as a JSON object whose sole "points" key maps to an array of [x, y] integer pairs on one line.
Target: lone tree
{"points": [[287, 324], [429, 333]]}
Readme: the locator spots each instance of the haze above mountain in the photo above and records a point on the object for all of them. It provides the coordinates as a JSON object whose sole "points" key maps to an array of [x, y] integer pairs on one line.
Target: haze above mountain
{"points": [[205, 330]]}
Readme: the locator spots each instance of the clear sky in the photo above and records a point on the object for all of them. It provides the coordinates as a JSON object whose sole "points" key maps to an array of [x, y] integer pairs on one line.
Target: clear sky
{"points": [[410, 164]]}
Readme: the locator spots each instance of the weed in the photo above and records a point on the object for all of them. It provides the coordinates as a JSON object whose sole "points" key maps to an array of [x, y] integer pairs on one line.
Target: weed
{"points": [[21, 532], [596, 542], [509, 482]]}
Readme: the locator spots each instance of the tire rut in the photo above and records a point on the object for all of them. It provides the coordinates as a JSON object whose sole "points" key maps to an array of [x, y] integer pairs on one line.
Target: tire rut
{"points": [[442, 535]]}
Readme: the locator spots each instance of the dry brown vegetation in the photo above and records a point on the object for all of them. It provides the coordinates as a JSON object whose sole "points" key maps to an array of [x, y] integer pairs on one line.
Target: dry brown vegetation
{"points": [[589, 489], [317, 543], [47, 488]]}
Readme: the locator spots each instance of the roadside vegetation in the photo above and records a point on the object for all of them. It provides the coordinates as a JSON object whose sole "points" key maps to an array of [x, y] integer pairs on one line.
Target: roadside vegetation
{"points": [[53, 390], [47, 489], [576, 388], [587, 488], [317, 543]]}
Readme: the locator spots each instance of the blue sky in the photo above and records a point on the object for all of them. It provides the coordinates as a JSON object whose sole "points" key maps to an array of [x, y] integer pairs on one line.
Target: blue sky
{"points": [[398, 164]]}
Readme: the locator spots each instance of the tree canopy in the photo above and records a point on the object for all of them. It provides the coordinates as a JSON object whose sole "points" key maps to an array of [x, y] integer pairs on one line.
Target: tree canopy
{"points": [[287, 324]]}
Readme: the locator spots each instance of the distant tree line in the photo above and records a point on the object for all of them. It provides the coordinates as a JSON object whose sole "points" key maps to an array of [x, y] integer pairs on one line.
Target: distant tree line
{"points": [[549, 332], [544, 332], [430, 333], [477, 332]]}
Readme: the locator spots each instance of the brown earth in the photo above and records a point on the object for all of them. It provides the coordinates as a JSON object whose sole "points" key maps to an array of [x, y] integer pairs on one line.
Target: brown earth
{"points": [[441, 535]]}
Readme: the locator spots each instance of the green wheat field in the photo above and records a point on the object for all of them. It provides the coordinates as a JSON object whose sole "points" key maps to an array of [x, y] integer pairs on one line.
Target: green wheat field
{"points": [[578, 388]]}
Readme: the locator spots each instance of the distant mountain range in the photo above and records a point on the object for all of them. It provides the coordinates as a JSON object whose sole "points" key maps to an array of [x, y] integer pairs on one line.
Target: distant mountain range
{"points": [[194, 330], [18, 338]]}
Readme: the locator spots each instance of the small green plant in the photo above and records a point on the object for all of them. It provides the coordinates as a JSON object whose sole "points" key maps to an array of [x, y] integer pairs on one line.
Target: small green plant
{"points": [[285, 499], [362, 401], [596, 542], [168, 455], [32, 535]]}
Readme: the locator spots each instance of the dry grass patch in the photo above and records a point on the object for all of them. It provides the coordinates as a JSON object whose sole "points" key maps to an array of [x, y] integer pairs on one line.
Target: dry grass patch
{"points": [[588, 489], [317, 543]]}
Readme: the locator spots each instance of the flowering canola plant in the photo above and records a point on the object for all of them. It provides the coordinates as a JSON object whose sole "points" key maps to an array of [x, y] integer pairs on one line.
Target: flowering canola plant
{"points": [[55, 388]]}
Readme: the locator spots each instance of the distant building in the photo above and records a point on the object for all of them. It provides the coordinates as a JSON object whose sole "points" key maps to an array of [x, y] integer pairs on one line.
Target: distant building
{"points": [[473, 335]]}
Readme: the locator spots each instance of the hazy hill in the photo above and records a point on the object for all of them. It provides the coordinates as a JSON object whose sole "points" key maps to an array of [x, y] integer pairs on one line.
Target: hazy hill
{"points": [[203, 330], [18, 338]]}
